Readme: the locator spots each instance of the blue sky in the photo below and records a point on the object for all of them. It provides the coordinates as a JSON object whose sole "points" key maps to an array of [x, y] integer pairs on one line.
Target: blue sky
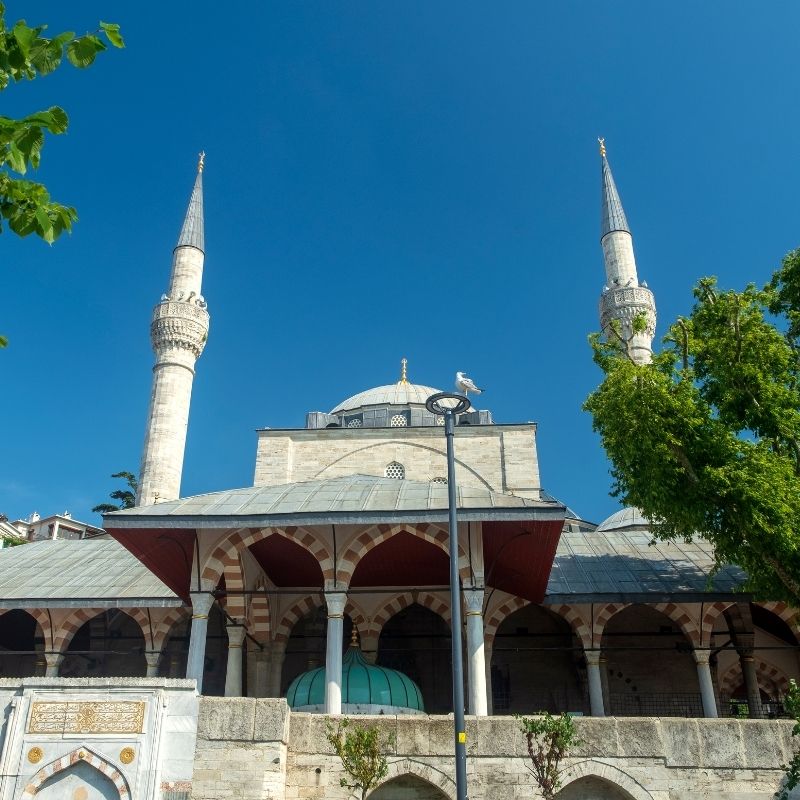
{"points": [[383, 180]]}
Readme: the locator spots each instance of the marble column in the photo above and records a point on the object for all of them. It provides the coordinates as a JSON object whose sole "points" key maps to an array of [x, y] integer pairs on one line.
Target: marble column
{"points": [[277, 655], [751, 684], [153, 658], [604, 681], [487, 656], [476, 659], [233, 673], [261, 670], [333, 652], [595, 680], [53, 661], [701, 658], [196, 660]]}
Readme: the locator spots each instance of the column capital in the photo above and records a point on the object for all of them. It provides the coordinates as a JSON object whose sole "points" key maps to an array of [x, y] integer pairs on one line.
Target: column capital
{"points": [[336, 601], [53, 659], [473, 600], [701, 656], [592, 657], [201, 604], [153, 657], [236, 634]]}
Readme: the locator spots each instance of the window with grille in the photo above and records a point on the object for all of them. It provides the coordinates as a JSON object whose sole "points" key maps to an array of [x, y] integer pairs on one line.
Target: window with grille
{"points": [[398, 421], [396, 471], [354, 423], [439, 480]]}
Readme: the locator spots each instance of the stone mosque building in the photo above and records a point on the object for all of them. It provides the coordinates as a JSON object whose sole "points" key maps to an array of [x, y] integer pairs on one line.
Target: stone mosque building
{"points": [[150, 661]]}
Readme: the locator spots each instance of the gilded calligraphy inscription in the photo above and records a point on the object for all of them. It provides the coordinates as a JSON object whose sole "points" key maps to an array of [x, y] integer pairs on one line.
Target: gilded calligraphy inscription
{"points": [[87, 717]]}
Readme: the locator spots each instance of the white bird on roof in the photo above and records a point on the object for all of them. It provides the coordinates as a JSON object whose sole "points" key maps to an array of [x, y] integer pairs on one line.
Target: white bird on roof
{"points": [[465, 384]]}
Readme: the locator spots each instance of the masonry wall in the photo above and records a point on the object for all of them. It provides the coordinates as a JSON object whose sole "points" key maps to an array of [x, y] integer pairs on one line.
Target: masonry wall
{"points": [[257, 749], [500, 457]]}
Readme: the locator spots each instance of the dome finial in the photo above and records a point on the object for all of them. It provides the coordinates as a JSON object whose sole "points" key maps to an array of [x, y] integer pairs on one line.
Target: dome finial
{"points": [[201, 161], [602, 142], [354, 637], [403, 370]]}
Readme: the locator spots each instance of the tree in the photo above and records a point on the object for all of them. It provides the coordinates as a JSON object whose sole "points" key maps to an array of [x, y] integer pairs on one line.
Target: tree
{"points": [[362, 754], [549, 739], [792, 777], [25, 54], [705, 440], [126, 497]]}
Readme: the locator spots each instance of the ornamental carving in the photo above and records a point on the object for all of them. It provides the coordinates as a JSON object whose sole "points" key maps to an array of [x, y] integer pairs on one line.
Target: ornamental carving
{"points": [[87, 717], [182, 325], [626, 304], [126, 755], [35, 755]]}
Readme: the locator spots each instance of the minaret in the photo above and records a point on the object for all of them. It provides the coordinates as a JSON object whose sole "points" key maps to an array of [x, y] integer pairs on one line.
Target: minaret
{"points": [[623, 298], [178, 332]]}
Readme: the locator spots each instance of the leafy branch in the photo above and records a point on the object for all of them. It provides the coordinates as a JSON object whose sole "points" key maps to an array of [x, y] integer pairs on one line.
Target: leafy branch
{"points": [[126, 497], [549, 739], [362, 753]]}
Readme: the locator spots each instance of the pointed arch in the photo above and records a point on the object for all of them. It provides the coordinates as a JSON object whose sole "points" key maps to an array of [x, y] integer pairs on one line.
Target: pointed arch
{"points": [[79, 754], [258, 619], [425, 772], [601, 620], [401, 601], [295, 613], [613, 775], [788, 614], [770, 678], [226, 551], [71, 624], [710, 617], [163, 628], [580, 627], [682, 618], [375, 535], [498, 616], [357, 615]]}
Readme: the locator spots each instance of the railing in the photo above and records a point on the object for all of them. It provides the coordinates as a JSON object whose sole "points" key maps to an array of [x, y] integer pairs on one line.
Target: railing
{"points": [[738, 707], [670, 704]]}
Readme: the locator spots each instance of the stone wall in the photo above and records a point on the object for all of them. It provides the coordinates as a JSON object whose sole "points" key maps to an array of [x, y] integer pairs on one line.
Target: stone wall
{"points": [[249, 748]]}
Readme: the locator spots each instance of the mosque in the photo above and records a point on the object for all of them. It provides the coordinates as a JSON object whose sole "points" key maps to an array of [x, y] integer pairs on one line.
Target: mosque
{"points": [[326, 581]]}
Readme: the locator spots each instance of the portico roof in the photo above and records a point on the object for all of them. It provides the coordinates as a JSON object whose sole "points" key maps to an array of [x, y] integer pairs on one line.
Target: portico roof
{"points": [[349, 499]]}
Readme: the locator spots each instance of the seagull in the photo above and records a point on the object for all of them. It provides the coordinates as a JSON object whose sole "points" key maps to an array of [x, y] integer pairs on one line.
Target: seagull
{"points": [[465, 384]]}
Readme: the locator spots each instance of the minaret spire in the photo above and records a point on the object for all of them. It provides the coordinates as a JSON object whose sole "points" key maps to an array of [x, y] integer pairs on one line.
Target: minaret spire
{"points": [[623, 299], [178, 333]]}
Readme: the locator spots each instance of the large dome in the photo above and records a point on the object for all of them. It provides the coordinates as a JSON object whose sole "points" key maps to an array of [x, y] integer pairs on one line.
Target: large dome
{"points": [[624, 518], [401, 393], [366, 689]]}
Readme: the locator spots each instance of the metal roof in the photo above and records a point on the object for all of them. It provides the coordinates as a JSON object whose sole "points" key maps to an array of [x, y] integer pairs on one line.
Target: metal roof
{"points": [[393, 394], [193, 232], [627, 566], [78, 572], [613, 215], [348, 499], [628, 517]]}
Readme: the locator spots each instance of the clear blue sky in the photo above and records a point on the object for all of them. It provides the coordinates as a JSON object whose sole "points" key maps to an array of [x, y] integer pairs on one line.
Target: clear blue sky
{"points": [[382, 180]]}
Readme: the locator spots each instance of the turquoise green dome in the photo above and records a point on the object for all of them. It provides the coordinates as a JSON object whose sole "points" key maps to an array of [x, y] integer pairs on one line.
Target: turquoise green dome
{"points": [[366, 689]]}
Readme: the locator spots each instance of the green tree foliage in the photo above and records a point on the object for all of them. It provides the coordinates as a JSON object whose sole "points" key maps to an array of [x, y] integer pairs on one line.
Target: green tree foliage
{"points": [[26, 53], [362, 753], [706, 439], [549, 739], [792, 777], [126, 497]]}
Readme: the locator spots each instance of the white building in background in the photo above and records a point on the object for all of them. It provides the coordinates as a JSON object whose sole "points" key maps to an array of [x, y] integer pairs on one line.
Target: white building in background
{"points": [[57, 526]]}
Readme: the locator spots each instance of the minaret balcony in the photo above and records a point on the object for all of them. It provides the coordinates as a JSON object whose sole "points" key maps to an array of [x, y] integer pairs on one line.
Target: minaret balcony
{"points": [[179, 324]]}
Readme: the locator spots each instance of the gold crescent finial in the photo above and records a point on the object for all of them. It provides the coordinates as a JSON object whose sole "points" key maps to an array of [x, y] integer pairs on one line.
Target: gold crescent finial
{"points": [[403, 370], [354, 637], [202, 161], [602, 142]]}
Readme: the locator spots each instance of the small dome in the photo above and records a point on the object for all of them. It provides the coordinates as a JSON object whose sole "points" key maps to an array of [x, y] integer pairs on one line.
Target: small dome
{"points": [[366, 689], [393, 394], [624, 518]]}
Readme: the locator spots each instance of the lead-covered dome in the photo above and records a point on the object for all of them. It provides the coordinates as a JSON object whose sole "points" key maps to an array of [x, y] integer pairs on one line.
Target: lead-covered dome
{"points": [[623, 519], [366, 689], [401, 393]]}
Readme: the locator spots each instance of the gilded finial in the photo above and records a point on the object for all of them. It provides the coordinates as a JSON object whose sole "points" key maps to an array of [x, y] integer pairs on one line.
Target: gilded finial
{"points": [[354, 637], [403, 370], [602, 142], [202, 161]]}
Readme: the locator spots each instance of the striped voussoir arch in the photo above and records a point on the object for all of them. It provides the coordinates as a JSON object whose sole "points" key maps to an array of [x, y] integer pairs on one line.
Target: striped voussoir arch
{"points": [[770, 678], [496, 618], [601, 620], [397, 603], [580, 627], [79, 754], [45, 624], [295, 613], [70, 626], [235, 598], [684, 620], [145, 621], [227, 550], [786, 613], [377, 534], [710, 616], [162, 629], [357, 616]]}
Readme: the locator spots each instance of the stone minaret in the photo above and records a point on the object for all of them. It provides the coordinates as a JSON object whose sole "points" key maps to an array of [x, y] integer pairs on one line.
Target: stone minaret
{"points": [[623, 298], [178, 332]]}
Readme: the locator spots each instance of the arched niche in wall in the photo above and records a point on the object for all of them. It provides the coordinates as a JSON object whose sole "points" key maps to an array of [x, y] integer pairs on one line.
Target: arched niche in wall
{"points": [[408, 787]]}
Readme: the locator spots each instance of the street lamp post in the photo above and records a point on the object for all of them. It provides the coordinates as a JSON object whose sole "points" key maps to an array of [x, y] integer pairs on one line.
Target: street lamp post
{"points": [[449, 405]]}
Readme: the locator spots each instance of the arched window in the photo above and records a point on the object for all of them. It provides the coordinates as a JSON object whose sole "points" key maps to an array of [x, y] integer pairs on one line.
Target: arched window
{"points": [[398, 421], [395, 470]]}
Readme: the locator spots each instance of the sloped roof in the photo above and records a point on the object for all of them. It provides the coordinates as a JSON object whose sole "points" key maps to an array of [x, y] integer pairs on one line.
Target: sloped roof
{"points": [[78, 572], [355, 498], [624, 565]]}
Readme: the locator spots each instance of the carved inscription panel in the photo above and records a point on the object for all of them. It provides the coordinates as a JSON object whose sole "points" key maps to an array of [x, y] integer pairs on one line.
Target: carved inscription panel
{"points": [[87, 717]]}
